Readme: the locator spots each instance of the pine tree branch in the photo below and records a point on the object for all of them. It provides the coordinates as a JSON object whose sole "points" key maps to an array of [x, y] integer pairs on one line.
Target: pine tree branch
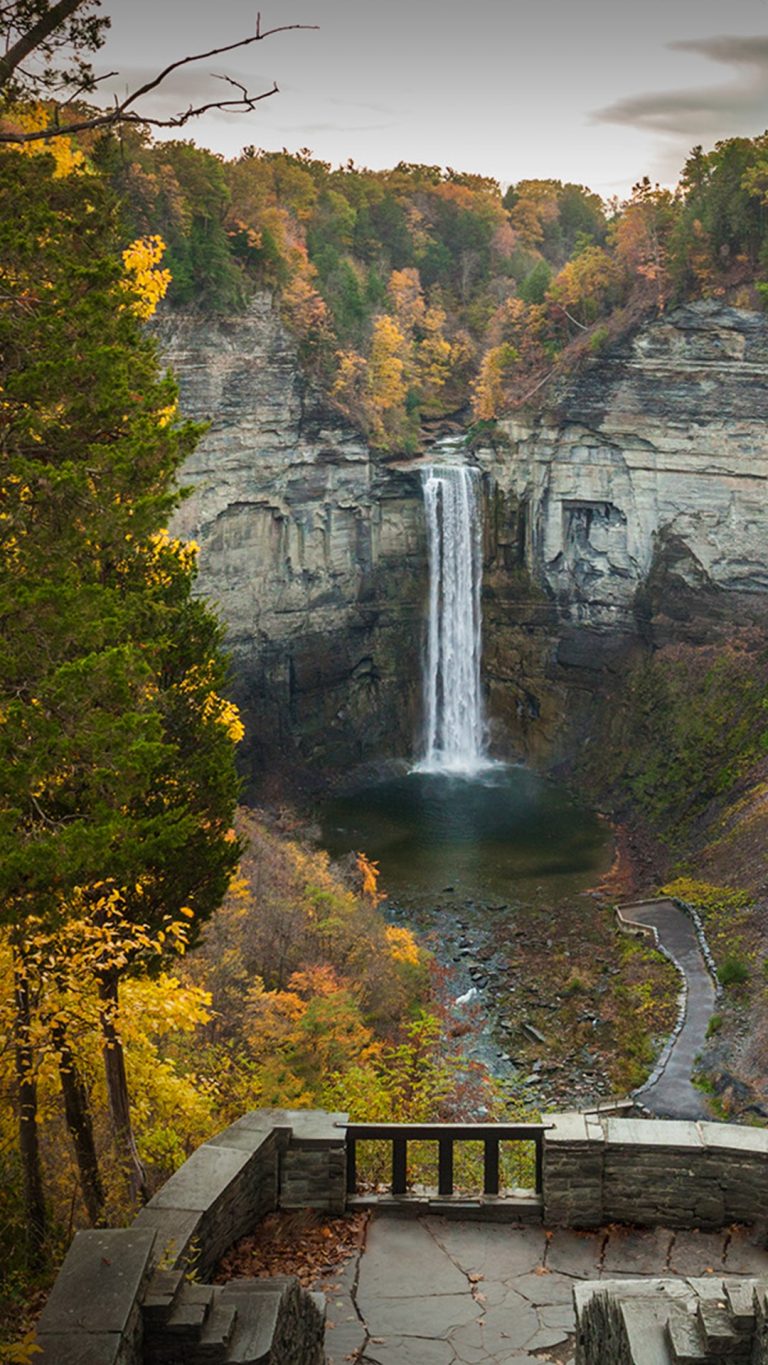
{"points": [[37, 35]]}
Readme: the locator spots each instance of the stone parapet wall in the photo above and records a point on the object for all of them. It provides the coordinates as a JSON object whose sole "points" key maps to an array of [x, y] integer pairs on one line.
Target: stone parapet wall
{"points": [[123, 1295], [653, 1172]]}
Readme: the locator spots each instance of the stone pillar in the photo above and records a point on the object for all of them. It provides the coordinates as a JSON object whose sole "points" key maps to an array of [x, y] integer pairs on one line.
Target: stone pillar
{"points": [[313, 1169], [574, 1158]]}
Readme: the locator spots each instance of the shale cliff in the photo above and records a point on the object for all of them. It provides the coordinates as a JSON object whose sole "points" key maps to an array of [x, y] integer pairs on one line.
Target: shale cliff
{"points": [[312, 549], [633, 512], [626, 512]]}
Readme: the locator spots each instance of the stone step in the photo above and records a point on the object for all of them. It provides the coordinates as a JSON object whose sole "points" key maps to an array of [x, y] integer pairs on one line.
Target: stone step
{"points": [[646, 1337], [276, 1322], [721, 1338], [686, 1339], [190, 1311], [160, 1298], [258, 1311], [216, 1337], [740, 1296]]}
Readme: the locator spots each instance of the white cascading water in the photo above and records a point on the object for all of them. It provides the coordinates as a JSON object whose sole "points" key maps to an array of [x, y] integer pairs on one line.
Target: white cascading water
{"points": [[455, 737]]}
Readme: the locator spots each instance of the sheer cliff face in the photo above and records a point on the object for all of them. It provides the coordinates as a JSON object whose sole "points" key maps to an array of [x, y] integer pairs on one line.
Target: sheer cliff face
{"points": [[632, 512], [312, 550], [638, 506], [662, 441]]}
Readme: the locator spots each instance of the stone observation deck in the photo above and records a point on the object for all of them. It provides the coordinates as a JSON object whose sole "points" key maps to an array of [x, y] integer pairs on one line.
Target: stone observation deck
{"points": [[598, 1263]]}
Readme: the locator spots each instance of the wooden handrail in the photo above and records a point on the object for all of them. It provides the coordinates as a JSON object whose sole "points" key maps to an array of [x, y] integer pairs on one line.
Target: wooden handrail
{"points": [[444, 1134], [460, 1132]]}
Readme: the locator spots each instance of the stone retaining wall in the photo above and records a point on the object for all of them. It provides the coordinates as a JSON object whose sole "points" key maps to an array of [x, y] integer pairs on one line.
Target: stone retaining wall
{"points": [[123, 1295], [653, 1172]]}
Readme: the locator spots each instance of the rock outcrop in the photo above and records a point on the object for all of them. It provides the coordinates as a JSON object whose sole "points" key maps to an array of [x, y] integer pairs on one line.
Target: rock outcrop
{"points": [[635, 514], [664, 438], [311, 548]]}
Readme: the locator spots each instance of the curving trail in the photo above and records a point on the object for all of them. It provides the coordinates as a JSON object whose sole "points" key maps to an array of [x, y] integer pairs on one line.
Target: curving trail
{"points": [[670, 1093]]}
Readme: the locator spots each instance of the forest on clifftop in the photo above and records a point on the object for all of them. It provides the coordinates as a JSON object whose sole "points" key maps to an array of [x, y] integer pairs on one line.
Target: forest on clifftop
{"points": [[419, 292]]}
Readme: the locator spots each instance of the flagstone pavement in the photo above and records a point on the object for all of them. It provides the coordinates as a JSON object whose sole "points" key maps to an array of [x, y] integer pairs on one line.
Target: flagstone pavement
{"points": [[434, 1291]]}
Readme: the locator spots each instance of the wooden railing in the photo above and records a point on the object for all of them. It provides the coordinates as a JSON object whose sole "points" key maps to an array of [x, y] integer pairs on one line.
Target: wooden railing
{"points": [[445, 1135]]}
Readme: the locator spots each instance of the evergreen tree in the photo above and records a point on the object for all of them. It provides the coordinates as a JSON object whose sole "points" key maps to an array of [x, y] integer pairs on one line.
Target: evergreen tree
{"points": [[117, 781]]}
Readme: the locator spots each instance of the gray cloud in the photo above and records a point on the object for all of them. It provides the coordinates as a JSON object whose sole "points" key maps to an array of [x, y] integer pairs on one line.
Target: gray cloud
{"points": [[739, 106], [306, 128]]}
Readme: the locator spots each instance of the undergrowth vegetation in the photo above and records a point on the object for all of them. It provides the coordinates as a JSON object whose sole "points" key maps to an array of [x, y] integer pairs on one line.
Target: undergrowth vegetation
{"points": [[685, 727]]}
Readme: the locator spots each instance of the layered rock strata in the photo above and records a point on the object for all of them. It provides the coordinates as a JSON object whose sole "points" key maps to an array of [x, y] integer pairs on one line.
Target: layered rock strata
{"points": [[636, 511], [311, 548], [627, 512]]}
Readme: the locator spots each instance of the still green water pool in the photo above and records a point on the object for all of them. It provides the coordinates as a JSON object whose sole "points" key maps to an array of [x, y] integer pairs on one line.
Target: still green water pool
{"points": [[504, 834]]}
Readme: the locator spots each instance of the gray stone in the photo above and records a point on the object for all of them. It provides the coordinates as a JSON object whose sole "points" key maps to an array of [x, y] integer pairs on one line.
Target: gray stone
{"points": [[430, 1316], [177, 1234], [208, 1173], [630, 1251], [393, 1350], [312, 547], [80, 1348], [573, 1253], [99, 1284], [402, 1259]]}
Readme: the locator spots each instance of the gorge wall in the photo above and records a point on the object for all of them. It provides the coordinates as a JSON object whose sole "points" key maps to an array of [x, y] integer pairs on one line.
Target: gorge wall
{"points": [[311, 547], [628, 511], [633, 512]]}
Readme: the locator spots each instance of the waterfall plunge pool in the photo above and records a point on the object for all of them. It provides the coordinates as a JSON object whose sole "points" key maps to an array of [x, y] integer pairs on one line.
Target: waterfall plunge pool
{"points": [[489, 862], [501, 835]]}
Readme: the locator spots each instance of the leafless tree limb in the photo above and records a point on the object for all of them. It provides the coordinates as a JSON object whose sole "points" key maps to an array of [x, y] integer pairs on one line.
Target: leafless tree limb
{"points": [[124, 110]]}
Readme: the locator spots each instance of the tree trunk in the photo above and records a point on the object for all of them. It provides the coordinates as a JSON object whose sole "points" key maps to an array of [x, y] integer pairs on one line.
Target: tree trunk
{"points": [[34, 36], [117, 1088], [80, 1125], [34, 1199]]}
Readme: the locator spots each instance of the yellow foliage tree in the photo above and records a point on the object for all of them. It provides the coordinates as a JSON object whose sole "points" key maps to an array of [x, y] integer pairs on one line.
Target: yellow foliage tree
{"points": [[490, 390], [387, 382], [588, 285], [34, 118], [147, 283]]}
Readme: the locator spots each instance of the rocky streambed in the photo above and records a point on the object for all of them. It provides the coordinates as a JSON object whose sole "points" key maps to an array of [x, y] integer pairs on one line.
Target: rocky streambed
{"points": [[535, 979]]}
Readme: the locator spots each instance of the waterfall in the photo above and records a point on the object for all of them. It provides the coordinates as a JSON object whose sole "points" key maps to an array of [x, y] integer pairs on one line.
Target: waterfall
{"points": [[454, 739]]}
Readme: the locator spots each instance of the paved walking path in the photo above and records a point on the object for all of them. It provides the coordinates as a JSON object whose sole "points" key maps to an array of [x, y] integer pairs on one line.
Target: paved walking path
{"points": [[671, 1094], [434, 1291]]}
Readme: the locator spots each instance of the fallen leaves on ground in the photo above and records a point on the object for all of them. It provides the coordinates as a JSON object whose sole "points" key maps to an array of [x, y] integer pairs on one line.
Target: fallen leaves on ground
{"points": [[304, 1244]]}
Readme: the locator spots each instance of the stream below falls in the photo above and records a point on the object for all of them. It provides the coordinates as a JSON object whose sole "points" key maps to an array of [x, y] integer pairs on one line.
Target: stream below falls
{"points": [[492, 870]]}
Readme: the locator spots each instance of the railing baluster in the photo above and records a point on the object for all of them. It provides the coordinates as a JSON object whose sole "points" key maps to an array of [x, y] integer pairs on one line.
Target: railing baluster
{"points": [[351, 1166], [491, 1166], [399, 1164], [445, 1166], [446, 1135]]}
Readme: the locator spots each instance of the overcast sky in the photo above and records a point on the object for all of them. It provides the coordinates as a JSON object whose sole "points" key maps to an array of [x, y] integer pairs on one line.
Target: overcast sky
{"points": [[596, 91]]}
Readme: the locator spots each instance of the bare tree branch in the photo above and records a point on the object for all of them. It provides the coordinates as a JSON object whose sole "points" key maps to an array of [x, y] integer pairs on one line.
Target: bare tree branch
{"points": [[82, 89], [123, 110]]}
